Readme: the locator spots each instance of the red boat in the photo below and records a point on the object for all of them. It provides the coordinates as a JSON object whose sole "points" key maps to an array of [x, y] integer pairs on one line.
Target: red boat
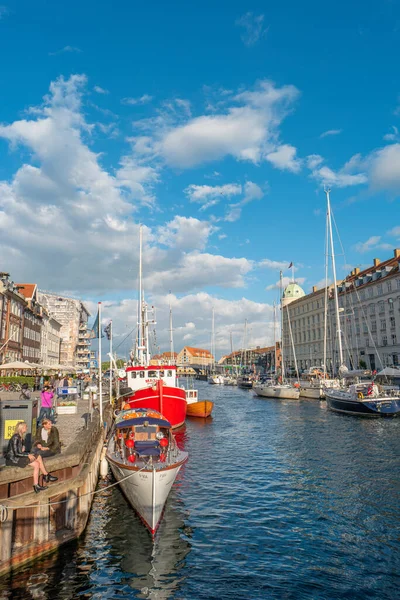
{"points": [[160, 393]]}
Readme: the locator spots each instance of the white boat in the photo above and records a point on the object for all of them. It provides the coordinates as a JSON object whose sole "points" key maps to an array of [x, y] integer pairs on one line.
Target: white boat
{"points": [[280, 390], [216, 379], [230, 380], [313, 385], [145, 460]]}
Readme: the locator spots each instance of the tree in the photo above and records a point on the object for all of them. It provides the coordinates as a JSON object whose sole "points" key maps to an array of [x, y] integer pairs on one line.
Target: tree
{"points": [[105, 366], [362, 364]]}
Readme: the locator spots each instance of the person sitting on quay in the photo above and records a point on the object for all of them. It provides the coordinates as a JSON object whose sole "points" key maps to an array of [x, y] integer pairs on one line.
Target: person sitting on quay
{"points": [[47, 440], [46, 396], [16, 456]]}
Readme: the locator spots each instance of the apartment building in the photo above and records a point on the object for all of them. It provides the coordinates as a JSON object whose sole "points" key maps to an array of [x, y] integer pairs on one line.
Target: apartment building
{"points": [[33, 321], [12, 306], [194, 356], [51, 340], [73, 317], [369, 312], [261, 358]]}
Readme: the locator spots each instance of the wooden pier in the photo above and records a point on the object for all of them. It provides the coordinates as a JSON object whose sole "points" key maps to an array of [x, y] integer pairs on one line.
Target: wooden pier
{"points": [[34, 524]]}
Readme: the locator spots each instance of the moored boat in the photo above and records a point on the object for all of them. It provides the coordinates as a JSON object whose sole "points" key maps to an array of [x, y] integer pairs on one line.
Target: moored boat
{"points": [[145, 460], [216, 379], [196, 407], [363, 399], [245, 382], [284, 391]]}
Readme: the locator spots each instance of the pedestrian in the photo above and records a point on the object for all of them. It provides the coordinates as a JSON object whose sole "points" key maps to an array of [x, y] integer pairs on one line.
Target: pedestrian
{"points": [[47, 440], [41, 382], [65, 381], [37, 383], [16, 456], [46, 404]]}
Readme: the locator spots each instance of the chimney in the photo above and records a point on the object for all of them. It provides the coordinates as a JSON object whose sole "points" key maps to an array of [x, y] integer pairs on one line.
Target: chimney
{"points": [[396, 253], [356, 271], [376, 262], [314, 289]]}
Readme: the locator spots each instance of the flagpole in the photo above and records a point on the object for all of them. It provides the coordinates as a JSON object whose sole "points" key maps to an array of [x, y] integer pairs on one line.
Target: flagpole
{"points": [[100, 373], [111, 365]]}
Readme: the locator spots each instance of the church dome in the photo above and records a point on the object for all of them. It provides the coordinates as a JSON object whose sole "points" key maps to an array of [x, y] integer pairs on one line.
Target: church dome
{"points": [[293, 291]]}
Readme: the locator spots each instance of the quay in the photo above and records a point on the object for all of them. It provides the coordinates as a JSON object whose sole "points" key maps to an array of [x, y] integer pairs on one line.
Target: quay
{"points": [[35, 524]]}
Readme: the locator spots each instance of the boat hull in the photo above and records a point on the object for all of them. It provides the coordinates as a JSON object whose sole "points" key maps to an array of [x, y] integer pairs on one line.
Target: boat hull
{"points": [[169, 401], [381, 407], [146, 490], [201, 409], [314, 393], [286, 393]]}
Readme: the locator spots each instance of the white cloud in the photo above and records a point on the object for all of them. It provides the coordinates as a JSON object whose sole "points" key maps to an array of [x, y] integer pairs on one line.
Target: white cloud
{"points": [[384, 168], [252, 191], [393, 135], [284, 158], [253, 28], [100, 90], [344, 177], [185, 233], [208, 195], [372, 243], [247, 130], [68, 49], [276, 265], [145, 99], [285, 282], [330, 132], [395, 231]]}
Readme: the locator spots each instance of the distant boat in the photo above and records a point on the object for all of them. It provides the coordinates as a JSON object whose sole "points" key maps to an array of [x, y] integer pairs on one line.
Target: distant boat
{"points": [[245, 382], [196, 407], [216, 379], [363, 399], [145, 460]]}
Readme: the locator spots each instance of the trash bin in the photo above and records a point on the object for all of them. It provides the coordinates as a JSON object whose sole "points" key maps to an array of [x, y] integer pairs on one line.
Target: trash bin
{"points": [[11, 413]]}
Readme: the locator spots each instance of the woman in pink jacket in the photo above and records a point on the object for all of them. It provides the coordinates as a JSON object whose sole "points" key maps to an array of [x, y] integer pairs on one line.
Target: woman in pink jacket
{"points": [[46, 396]]}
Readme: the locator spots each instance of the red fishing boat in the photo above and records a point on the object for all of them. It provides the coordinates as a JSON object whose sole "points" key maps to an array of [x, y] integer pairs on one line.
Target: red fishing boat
{"points": [[151, 386]]}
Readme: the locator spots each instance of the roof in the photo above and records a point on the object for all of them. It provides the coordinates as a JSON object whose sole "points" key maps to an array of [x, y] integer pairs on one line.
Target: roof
{"points": [[198, 352], [27, 289], [293, 290]]}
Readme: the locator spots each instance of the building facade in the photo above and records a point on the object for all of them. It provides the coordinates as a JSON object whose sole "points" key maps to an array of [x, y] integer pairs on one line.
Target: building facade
{"points": [[51, 340], [369, 312], [33, 321], [73, 316], [194, 356], [262, 359], [12, 306]]}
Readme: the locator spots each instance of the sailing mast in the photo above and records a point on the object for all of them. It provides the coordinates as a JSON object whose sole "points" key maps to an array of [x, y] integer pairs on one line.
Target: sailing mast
{"points": [[282, 361], [275, 360], [171, 336], [326, 294], [336, 296], [213, 340]]}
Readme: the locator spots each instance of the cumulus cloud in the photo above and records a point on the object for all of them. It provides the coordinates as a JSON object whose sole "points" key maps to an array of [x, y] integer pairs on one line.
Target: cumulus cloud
{"points": [[284, 158], [100, 90], [67, 49], [393, 135], [247, 129], [384, 168], [208, 195], [344, 177], [76, 218], [395, 231], [372, 243], [252, 28]]}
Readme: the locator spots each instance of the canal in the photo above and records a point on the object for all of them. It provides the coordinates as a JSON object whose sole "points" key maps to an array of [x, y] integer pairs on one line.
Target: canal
{"points": [[279, 499]]}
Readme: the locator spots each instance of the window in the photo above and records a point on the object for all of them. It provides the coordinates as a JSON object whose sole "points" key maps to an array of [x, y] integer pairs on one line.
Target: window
{"points": [[384, 340], [370, 292], [362, 295], [394, 339], [365, 328], [373, 326], [389, 286], [372, 309], [357, 328], [383, 325], [391, 304], [392, 323], [169, 373], [381, 307]]}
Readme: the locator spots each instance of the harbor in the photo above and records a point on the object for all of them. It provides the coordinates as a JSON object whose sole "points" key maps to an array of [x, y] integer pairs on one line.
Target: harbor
{"points": [[278, 499]]}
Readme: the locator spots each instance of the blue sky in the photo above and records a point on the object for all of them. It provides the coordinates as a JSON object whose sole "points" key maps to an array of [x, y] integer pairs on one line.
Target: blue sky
{"points": [[216, 125]]}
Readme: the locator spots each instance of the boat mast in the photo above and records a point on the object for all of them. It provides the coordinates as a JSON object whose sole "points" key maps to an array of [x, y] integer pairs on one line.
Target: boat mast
{"points": [[326, 293], [282, 361], [213, 340], [139, 347], [339, 332], [275, 364], [171, 334]]}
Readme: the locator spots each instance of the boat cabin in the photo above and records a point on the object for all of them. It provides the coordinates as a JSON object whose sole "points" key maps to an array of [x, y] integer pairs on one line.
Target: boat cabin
{"points": [[140, 434], [142, 377]]}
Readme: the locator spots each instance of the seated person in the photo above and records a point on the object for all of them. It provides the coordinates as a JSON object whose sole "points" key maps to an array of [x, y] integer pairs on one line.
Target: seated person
{"points": [[16, 456], [47, 440]]}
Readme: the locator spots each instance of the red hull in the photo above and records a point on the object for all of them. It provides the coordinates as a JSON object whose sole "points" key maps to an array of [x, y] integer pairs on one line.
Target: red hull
{"points": [[169, 401]]}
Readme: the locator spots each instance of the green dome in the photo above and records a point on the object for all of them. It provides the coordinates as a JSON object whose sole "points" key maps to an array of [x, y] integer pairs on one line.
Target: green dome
{"points": [[293, 290]]}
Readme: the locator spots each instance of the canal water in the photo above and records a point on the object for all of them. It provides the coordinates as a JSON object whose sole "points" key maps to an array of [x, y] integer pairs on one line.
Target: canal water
{"points": [[279, 499]]}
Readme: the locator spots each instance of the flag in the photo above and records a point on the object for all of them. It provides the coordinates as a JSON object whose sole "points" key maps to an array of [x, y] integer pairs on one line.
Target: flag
{"points": [[290, 266], [95, 329], [108, 330]]}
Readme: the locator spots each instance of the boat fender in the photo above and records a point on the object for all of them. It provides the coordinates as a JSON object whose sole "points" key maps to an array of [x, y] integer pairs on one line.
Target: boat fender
{"points": [[103, 465], [360, 395]]}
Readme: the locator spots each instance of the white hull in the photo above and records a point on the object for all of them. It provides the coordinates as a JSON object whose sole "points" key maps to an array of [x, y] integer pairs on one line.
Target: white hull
{"points": [[316, 390], [315, 393], [146, 490], [216, 379], [277, 391]]}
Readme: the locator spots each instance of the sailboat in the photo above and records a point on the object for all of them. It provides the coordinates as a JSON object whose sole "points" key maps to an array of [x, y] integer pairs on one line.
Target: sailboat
{"points": [[278, 390], [363, 398], [151, 386], [214, 378]]}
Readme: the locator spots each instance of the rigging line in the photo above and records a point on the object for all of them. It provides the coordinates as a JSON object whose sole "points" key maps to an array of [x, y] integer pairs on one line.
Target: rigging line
{"points": [[125, 338]]}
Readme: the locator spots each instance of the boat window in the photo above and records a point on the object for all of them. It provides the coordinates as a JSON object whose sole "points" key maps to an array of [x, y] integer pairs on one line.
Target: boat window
{"points": [[169, 373], [162, 373], [133, 375], [152, 373], [141, 374]]}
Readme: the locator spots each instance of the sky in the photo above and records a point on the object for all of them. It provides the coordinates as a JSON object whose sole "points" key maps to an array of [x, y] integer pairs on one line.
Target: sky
{"points": [[217, 126]]}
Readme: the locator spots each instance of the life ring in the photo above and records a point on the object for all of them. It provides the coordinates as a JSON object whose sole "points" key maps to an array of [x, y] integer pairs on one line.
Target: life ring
{"points": [[360, 395]]}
